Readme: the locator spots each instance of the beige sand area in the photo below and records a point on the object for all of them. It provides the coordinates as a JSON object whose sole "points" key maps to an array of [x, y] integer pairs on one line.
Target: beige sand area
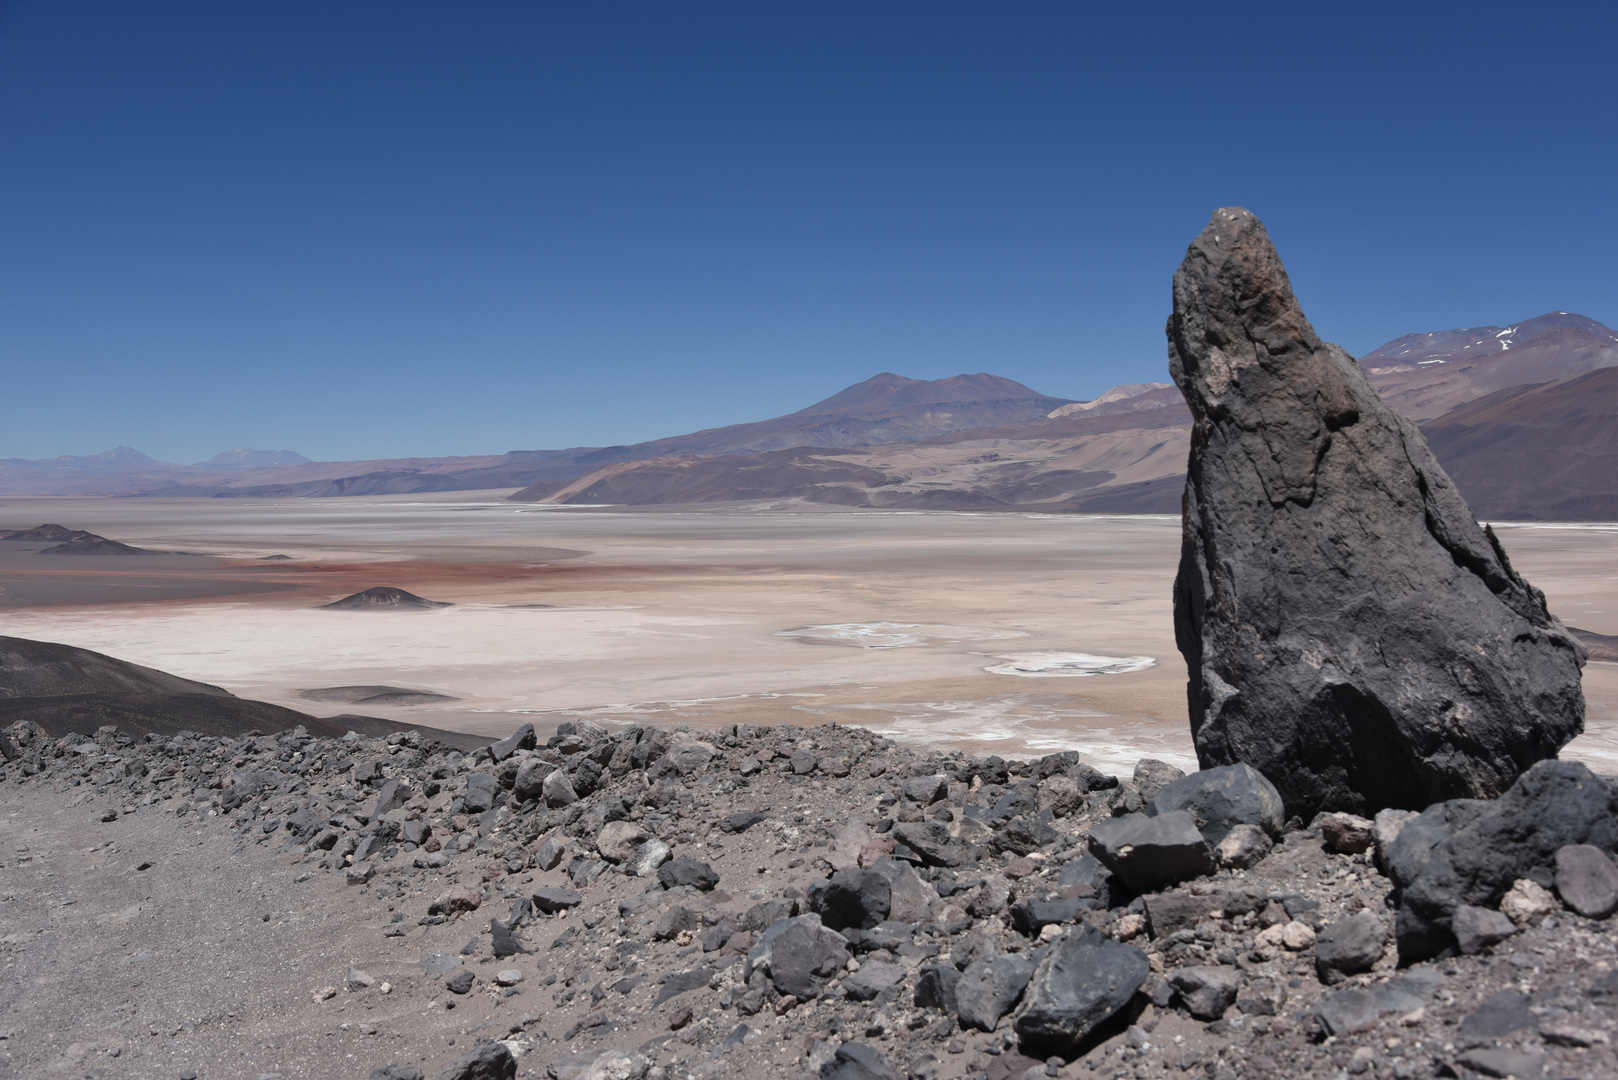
{"points": [[704, 616]]}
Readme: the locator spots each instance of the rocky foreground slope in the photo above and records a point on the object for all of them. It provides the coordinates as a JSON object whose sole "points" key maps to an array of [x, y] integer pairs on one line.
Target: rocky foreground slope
{"points": [[776, 902]]}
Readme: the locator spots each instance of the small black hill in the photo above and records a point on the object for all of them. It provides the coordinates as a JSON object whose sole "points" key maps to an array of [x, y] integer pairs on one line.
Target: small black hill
{"points": [[384, 598]]}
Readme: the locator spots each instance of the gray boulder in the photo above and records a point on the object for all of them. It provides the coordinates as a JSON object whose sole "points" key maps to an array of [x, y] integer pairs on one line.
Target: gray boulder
{"points": [[557, 789], [1080, 984], [857, 898], [989, 988], [1221, 798], [529, 782], [1151, 776], [1350, 630], [1587, 880], [486, 1061], [1206, 990], [553, 899], [1476, 928], [856, 1061], [873, 977], [1147, 852], [799, 956], [937, 844], [1471, 852], [926, 789], [646, 859], [481, 792], [1349, 946], [699, 875], [521, 739], [935, 988], [1356, 1010]]}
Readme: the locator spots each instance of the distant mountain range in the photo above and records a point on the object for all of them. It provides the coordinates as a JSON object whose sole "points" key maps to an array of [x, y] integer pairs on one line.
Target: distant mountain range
{"points": [[1525, 418]]}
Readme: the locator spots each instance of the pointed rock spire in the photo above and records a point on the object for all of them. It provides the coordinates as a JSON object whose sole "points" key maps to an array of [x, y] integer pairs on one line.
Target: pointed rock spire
{"points": [[1350, 630]]}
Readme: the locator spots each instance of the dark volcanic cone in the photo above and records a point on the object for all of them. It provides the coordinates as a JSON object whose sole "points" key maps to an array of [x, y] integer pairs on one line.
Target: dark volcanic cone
{"points": [[373, 695], [384, 598], [1350, 630]]}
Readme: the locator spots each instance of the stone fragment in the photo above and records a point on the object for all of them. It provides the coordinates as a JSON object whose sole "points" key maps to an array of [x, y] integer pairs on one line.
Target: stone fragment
{"points": [[359, 873], [802, 762], [557, 789], [1587, 880], [1516, 1064], [1348, 1011], [646, 859], [396, 1072], [1297, 936], [552, 899], [1244, 847], [1339, 608], [740, 821], [617, 1065], [529, 782], [1478, 928], [1033, 915], [1151, 776], [482, 790], [486, 1061], [989, 988], [1061, 795], [359, 980], [521, 739], [1206, 990], [548, 856], [681, 981], [799, 955], [935, 988], [618, 840], [1471, 852], [1347, 834], [460, 982], [1564, 1032], [1081, 983], [1148, 852], [508, 976], [762, 915], [925, 789], [1171, 912], [456, 899], [1502, 1013], [1386, 827], [687, 871], [873, 977], [910, 899], [1349, 946], [857, 1061], [937, 844], [439, 963], [1221, 798], [1526, 901], [857, 898]]}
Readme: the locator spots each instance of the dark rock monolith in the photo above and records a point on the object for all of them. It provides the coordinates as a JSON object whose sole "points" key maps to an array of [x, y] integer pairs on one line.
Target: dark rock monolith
{"points": [[1350, 630]]}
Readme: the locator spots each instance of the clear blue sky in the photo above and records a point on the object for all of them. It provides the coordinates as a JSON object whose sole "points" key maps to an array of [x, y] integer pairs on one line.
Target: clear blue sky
{"points": [[374, 229]]}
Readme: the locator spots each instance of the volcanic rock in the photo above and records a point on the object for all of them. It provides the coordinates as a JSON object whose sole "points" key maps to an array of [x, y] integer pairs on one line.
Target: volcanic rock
{"points": [[1468, 852], [799, 955], [1476, 928], [384, 598], [1350, 630], [1150, 852], [1349, 946], [1587, 880], [857, 898], [989, 987], [1221, 798], [1206, 990], [1080, 984]]}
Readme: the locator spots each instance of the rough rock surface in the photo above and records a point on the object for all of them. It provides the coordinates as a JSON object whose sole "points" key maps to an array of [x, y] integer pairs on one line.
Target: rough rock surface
{"points": [[1350, 630]]}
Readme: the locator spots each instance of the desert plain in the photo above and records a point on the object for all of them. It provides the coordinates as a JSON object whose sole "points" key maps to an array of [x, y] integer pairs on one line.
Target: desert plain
{"points": [[1003, 633]]}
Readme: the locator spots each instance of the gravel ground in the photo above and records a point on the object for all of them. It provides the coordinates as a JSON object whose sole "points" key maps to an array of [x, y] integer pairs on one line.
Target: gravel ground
{"points": [[245, 908]]}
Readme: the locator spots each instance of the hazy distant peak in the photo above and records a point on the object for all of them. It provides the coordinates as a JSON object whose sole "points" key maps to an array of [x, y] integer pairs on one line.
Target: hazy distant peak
{"points": [[888, 391], [258, 459], [1444, 346], [119, 455], [1117, 393]]}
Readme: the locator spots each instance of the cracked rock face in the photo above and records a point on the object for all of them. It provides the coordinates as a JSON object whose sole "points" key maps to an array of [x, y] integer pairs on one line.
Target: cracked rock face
{"points": [[1350, 630]]}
